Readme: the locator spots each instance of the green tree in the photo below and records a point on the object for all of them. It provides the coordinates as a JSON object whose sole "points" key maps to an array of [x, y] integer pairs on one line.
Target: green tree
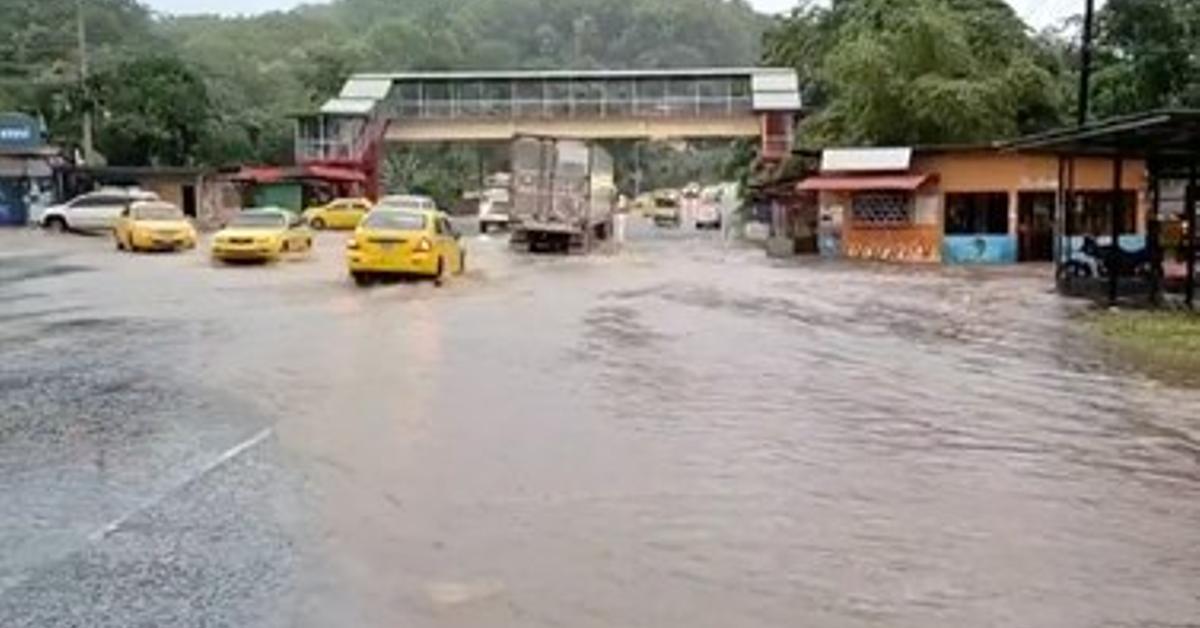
{"points": [[151, 111], [916, 71], [1146, 56]]}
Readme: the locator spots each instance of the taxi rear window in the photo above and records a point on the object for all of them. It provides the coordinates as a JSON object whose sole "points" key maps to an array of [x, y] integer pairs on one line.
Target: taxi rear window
{"points": [[401, 221]]}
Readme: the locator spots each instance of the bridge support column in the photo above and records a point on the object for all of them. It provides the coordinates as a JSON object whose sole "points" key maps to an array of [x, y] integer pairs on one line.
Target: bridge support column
{"points": [[778, 133]]}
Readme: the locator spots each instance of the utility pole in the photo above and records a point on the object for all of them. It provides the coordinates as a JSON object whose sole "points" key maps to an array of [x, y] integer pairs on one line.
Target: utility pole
{"points": [[1085, 60], [81, 32]]}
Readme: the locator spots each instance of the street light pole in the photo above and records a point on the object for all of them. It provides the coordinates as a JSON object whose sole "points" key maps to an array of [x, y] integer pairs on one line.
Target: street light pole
{"points": [[81, 33], [1085, 60]]}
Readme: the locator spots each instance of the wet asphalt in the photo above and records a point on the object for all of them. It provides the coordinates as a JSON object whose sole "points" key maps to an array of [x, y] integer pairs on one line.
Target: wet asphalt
{"points": [[678, 432]]}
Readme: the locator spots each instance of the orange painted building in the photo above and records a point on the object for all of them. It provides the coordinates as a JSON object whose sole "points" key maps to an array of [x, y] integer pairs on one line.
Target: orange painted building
{"points": [[964, 205]]}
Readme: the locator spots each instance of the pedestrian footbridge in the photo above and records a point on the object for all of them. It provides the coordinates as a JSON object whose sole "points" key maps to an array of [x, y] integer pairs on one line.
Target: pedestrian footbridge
{"points": [[371, 109]]}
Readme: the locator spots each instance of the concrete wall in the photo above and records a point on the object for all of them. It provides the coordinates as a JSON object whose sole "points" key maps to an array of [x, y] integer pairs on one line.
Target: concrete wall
{"points": [[170, 190], [217, 201]]}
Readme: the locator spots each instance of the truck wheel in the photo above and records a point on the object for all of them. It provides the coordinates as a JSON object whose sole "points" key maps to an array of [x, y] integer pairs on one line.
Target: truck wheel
{"points": [[56, 224]]}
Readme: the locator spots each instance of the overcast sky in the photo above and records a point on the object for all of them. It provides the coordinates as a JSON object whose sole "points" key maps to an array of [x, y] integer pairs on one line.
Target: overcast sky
{"points": [[1038, 13]]}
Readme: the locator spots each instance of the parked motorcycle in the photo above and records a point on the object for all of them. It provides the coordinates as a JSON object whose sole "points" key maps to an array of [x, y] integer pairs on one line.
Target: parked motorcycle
{"points": [[1104, 260]]}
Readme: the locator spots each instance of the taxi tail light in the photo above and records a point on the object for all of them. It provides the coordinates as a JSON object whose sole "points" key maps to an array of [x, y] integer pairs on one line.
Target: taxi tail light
{"points": [[424, 246]]}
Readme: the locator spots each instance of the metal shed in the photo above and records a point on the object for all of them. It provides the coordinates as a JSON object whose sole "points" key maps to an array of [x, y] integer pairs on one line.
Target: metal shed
{"points": [[1169, 142]]}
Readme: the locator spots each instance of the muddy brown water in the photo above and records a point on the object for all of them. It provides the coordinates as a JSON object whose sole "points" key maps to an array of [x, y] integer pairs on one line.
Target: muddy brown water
{"points": [[681, 433]]}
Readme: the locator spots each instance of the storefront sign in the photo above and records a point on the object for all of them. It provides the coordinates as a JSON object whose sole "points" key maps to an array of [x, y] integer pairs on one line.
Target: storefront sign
{"points": [[19, 131]]}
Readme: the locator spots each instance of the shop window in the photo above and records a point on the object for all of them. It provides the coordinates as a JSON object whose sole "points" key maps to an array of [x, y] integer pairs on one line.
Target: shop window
{"points": [[977, 213], [1092, 213], [882, 210]]}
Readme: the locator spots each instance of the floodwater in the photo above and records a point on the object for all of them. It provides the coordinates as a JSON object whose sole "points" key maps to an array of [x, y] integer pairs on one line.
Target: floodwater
{"points": [[681, 433]]}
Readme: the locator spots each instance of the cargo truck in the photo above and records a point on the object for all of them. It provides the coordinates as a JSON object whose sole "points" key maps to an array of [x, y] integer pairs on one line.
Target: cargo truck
{"points": [[563, 194]]}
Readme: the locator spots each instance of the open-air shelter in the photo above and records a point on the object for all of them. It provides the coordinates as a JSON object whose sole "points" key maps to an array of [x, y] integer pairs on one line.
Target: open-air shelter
{"points": [[1168, 141]]}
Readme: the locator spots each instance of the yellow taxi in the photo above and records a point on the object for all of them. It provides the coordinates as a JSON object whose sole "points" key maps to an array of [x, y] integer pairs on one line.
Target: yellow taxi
{"points": [[401, 242], [341, 213], [261, 235], [153, 226]]}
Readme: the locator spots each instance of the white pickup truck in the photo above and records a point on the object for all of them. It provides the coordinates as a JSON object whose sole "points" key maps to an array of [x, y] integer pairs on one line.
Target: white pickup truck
{"points": [[94, 211]]}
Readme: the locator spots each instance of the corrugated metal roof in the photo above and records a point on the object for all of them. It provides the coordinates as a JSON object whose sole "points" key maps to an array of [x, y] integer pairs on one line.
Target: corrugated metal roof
{"points": [[775, 101], [366, 87], [348, 106], [772, 89], [865, 159], [774, 80], [586, 74], [828, 183]]}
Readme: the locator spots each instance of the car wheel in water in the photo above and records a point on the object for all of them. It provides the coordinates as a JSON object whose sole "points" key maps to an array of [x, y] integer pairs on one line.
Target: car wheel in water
{"points": [[361, 279], [317, 223], [56, 224]]}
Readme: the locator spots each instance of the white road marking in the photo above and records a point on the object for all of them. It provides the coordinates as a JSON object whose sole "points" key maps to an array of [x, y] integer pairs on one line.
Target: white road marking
{"points": [[228, 455], [8, 583]]}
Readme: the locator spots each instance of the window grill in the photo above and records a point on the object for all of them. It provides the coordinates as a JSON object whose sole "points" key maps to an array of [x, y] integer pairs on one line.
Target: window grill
{"points": [[882, 210]]}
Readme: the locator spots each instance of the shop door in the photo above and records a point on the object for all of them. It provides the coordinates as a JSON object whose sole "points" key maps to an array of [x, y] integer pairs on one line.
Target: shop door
{"points": [[13, 209], [189, 201], [1035, 226]]}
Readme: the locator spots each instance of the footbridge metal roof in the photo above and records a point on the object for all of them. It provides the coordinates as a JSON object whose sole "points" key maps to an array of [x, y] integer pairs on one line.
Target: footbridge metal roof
{"points": [[757, 89]]}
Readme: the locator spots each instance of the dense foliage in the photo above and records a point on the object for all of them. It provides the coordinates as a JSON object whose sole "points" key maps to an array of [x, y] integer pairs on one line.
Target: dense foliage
{"points": [[917, 71], [948, 71], [1147, 56], [216, 90], [257, 71]]}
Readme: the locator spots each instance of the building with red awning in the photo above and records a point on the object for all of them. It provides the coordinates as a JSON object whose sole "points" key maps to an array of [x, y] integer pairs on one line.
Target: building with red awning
{"points": [[963, 204]]}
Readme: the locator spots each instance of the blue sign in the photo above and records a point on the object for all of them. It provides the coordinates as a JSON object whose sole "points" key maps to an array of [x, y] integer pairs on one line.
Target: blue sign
{"points": [[1130, 242], [18, 130], [979, 249]]}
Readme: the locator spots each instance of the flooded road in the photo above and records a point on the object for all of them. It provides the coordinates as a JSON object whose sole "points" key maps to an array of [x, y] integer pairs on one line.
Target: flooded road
{"points": [[679, 434]]}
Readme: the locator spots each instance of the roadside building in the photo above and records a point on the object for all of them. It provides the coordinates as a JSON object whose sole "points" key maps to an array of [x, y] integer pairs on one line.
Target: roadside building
{"points": [[298, 187], [1167, 141], [966, 205], [27, 165], [207, 195]]}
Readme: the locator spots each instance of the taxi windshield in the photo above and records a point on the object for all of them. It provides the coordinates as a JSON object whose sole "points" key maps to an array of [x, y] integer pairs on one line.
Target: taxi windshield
{"points": [[399, 221], [258, 220], [157, 212]]}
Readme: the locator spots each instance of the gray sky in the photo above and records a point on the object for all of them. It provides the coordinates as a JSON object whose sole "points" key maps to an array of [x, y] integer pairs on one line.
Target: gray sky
{"points": [[1038, 13]]}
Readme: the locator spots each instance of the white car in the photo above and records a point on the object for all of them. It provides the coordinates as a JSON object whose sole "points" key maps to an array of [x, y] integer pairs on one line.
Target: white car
{"points": [[708, 215], [493, 209], [94, 211]]}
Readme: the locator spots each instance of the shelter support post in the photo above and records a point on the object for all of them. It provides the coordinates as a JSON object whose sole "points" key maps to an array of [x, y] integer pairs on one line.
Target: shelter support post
{"points": [[1190, 246], [1116, 210], [1154, 236], [1060, 211]]}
